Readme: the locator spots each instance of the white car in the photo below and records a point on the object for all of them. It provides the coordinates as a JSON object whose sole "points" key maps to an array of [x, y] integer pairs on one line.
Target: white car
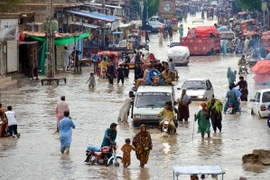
{"points": [[260, 103], [198, 89], [149, 101], [214, 3]]}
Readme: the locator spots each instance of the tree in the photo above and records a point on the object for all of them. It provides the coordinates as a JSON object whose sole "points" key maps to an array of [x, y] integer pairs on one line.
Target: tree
{"points": [[10, 5], [252, 5], [153, 6]]}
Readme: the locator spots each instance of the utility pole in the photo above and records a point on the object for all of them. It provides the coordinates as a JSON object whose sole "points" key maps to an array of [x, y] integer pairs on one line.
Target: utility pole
{"points": [[50, 62], [147, 9], [103, 24]]}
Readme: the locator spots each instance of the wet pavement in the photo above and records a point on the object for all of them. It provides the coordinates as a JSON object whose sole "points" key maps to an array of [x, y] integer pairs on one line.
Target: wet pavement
{"points": [[36, 155]]}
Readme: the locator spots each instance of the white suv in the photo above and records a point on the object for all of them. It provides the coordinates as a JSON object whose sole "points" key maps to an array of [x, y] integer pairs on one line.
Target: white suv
{"points": [[260, 103], [149, 101]]}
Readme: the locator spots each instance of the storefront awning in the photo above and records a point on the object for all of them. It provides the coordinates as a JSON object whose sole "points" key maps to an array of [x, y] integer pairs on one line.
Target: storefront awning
{"points": [[94, 15], [86, 25]]}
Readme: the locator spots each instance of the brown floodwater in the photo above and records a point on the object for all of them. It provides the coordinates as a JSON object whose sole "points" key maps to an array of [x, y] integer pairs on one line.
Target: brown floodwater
{"points": [[36, 154]]}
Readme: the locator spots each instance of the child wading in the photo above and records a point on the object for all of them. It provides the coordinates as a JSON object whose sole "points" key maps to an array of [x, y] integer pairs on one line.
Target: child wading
{"points": [[12, 123], [126, 148], [91, 80]]}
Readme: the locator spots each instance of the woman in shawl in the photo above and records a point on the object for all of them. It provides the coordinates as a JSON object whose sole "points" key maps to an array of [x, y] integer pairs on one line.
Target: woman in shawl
{"points": [[203, 120], [143, 144], [183, 106], [215, 109], [230, 76]]}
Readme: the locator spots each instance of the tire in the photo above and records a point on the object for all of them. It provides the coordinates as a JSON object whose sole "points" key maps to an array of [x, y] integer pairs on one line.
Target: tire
{"points": [[252, 112], [136, 123]]}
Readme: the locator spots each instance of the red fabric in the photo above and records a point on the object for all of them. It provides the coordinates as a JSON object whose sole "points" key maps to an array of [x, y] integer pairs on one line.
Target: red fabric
{"points": [[205, 31], [262, 67], [152, 57]]}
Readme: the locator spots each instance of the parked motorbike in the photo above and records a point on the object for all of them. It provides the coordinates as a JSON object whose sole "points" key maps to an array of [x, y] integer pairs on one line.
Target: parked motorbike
{"points": [[104, 156], [101, 73]]}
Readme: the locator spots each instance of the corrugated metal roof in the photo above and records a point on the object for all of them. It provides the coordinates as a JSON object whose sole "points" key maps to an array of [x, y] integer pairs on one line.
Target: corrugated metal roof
{"points": [[85, 25], [95, 15]]}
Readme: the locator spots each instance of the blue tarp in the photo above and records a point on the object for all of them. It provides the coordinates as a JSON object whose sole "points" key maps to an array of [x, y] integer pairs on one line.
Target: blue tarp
{"points": [[223, 28], [103, 17]]}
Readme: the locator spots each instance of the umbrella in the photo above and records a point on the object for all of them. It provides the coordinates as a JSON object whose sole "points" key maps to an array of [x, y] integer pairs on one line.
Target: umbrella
{"points": [[262, 67]]}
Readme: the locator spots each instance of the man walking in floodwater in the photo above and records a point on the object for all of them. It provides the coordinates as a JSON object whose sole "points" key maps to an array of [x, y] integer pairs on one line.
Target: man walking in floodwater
{"points": [[60, 108]]}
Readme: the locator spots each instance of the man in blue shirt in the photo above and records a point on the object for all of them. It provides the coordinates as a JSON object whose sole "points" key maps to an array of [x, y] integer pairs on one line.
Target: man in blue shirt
{"points": [[151, 74]]}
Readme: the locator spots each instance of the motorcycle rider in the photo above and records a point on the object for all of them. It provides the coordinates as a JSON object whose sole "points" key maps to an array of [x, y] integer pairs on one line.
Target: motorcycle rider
{"points": [[168, 114], [242, 62], [231, 97], [110, 135]]}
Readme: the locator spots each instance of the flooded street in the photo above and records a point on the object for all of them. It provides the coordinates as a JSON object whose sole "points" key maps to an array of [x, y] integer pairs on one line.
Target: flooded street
{"points": [[36, 154]]}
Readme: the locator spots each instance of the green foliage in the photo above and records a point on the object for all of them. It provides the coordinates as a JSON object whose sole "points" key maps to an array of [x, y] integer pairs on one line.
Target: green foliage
{"points": [[153, 6], [10, 5], [249, 4]]}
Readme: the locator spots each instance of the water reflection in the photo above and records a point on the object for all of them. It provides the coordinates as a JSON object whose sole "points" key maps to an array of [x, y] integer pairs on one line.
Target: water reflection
{"points": [[144, 174], [8, 143], [126, 174], [212, 146]]}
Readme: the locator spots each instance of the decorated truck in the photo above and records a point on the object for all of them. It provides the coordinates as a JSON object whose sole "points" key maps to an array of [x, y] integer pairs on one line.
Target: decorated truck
{"points": [[202, 40]]}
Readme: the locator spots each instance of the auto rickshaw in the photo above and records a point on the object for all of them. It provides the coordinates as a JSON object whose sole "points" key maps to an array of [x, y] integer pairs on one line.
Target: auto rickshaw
{"points": [[247, 25], [112, 56], [210, 12], [135, 39], [174, 24]]}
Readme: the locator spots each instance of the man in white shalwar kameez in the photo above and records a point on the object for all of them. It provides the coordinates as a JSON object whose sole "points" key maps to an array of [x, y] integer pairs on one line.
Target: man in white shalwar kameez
{"points": [[65, 58], [124, 111]]}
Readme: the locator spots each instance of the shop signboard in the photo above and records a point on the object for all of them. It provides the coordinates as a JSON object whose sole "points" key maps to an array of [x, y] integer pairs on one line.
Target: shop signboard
{"points": [[8, 29]]}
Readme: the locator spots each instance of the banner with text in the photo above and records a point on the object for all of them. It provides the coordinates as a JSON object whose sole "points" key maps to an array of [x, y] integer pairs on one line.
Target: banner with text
{"points": [[8, 29]]}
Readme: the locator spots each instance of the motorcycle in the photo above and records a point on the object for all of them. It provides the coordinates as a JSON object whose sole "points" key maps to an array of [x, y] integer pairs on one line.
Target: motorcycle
{"points": [[232, 109], [166, 127], [104, 156], [239, 49], [243, 69], [102, 73]]}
